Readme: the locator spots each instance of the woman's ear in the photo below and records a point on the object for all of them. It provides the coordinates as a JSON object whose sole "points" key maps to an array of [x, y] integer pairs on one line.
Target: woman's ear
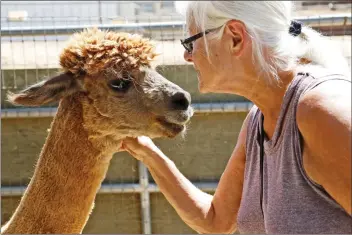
{"points": [[236, 30], [48, 91]]}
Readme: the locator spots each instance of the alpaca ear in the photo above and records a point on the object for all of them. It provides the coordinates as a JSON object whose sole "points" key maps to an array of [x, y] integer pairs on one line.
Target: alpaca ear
{"points": [[48, 91]]}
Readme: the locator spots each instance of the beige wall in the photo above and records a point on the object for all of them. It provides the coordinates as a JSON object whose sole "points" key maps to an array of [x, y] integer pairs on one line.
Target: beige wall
{"points": [[201, 156]]}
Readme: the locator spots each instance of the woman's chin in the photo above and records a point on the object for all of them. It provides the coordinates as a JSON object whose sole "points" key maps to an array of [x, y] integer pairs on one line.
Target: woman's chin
{"points": [[202, 89]]}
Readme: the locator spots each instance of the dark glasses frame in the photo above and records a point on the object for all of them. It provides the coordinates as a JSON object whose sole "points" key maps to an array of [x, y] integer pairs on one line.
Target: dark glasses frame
{"points": [[188, 42]]}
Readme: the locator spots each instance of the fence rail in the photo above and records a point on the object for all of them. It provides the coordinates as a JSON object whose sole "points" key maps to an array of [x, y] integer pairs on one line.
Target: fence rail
{"points": [[328, 24], [213, 107], [10, 191]]}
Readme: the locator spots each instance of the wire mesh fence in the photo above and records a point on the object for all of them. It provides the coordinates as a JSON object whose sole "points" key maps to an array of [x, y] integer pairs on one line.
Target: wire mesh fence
{"points": [[128, 201], [30, 54]]}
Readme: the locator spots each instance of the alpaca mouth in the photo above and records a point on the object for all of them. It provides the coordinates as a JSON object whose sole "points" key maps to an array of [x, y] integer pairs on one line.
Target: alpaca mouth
{"points": [[174, 123], [172, 128]]}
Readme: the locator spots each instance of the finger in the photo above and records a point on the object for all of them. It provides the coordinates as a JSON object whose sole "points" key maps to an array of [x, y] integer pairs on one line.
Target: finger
{"points": [[120, 146], [130, 141], [132, 153], [121, 149]]}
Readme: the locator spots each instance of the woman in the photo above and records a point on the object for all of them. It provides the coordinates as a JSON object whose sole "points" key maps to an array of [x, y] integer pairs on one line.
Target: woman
{"points": [[301, 121]]}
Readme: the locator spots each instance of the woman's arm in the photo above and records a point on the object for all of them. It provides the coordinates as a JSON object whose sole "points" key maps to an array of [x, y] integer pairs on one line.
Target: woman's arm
{"points": [[201, 211], [324, 119]]}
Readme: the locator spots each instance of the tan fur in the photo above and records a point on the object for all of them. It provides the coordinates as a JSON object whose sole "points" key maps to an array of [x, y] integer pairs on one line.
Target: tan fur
{"points": [[93, 50], [91, 121], [68, 174]]}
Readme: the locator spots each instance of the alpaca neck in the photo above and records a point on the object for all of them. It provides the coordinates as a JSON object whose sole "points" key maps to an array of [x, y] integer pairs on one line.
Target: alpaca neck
{"points": [[68, 175]]}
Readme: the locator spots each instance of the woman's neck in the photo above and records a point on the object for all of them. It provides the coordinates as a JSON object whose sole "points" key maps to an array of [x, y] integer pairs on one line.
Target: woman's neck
{"points": [[268, 96]]}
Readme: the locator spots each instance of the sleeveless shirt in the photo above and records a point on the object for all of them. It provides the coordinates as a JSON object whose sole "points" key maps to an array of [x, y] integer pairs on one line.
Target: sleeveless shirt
{"points": [[292, 202]]}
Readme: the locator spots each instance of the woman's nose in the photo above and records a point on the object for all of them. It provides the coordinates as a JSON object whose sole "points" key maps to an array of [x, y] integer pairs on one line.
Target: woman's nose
{"points": [[187, 56]]}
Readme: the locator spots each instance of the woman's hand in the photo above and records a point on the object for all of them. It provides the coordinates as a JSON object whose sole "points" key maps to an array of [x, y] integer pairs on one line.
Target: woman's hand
{"points": [[140, 147]]}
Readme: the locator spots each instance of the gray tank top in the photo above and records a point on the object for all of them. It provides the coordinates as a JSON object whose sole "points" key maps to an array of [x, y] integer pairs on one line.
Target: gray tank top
{"points": [[292, 202]]}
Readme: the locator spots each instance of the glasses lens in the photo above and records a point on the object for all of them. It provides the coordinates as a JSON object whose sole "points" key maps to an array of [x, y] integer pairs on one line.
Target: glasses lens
{"points": [[189, 47]]}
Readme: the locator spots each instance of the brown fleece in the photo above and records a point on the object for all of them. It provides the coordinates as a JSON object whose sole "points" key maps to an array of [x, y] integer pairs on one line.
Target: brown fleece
{"points": [[68, 174], [92, 51]]}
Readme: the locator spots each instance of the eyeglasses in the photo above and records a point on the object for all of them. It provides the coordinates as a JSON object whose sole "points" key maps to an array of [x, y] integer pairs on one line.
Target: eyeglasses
{"points": [[188, 42]]}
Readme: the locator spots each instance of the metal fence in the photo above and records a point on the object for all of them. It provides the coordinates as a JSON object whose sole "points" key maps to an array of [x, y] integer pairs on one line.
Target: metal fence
{"points": [[29, 53], [43, 13], [29, 50]]}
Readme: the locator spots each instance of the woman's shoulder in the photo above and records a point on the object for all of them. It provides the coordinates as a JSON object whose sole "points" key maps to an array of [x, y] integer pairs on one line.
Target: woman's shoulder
{"points": [[324, 97], [324, 119], [325, 91], [320, 85], [320, 73], [323, 113], [323, 86]]}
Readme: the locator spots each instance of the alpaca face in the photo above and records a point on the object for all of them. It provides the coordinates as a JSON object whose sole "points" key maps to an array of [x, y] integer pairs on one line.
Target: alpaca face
{"points": [[137, 102], [120, 93], [118, 103]]}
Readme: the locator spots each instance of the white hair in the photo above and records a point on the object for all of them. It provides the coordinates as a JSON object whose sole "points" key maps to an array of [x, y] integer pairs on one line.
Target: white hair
{"points": [[267, 23]]}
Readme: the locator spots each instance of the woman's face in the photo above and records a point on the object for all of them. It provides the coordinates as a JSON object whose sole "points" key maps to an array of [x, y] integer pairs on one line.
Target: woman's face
{"points": [[226, 65]]}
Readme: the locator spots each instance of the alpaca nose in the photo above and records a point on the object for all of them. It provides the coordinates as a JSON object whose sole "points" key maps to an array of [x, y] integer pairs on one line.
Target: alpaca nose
{"points": [[181, 100]]}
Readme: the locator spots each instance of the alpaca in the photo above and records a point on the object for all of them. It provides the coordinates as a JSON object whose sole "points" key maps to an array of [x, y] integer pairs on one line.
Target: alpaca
{"points": [[108, 90]]}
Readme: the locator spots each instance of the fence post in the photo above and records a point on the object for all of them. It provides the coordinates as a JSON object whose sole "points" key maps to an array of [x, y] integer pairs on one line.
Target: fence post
{"points": [[145, 200]]}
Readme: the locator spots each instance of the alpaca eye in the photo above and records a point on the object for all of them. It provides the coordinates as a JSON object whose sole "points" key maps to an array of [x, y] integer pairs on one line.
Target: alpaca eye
{"points": [[120, 85]]}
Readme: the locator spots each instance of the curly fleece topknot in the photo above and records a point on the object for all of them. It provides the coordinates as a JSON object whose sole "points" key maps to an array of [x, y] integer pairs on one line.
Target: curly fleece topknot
{"points": [[92, 51]]}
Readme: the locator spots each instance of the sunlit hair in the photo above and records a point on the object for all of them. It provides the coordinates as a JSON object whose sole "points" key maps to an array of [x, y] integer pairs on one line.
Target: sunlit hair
{"points": [[267, 23]]}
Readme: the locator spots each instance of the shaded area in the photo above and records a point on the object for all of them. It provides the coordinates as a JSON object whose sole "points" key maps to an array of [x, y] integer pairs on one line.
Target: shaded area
{"points": [[165, 220], [201, 156], [207, 147], [113, 213], [22, 141]]}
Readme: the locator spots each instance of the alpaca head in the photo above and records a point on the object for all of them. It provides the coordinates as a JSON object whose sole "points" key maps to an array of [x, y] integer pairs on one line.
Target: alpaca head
{"points": [[120, 92]]}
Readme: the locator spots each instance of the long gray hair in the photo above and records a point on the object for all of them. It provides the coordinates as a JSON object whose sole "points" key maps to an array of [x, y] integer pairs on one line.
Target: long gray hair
{"points": [[267, 23]]}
